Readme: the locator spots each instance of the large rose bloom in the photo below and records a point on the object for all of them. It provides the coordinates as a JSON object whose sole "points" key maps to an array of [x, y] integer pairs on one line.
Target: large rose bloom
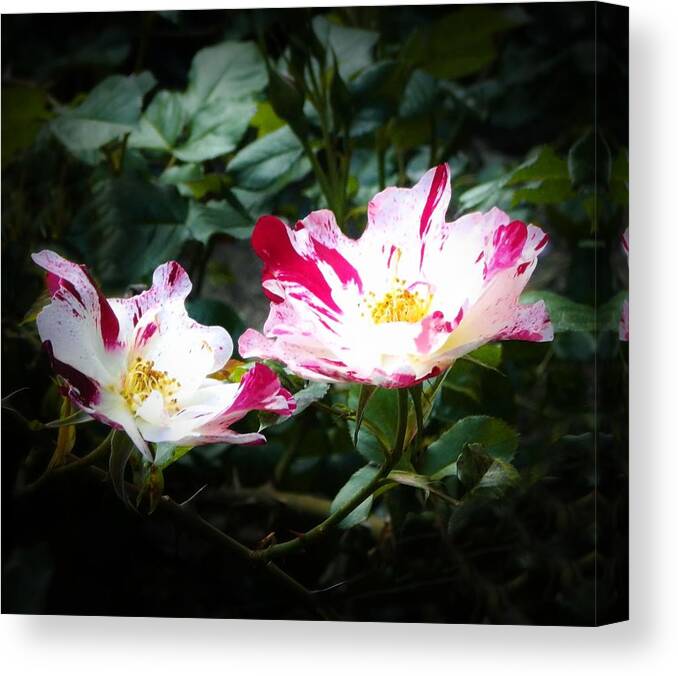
{"points": [[405, 300], [142, 365]]}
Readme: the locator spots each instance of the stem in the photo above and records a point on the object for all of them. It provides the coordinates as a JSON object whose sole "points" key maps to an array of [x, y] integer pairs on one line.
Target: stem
{"points": [[322, 529], [76, 464], [196, 523]]}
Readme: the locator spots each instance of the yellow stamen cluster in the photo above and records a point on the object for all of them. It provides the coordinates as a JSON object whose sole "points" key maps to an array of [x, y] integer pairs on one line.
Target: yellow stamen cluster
{"points": [[398, 305], [142, 379]]}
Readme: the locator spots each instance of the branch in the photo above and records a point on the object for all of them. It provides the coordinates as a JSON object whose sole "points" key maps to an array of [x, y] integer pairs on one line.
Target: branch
{"points": [[322, 529], [194, 522]]}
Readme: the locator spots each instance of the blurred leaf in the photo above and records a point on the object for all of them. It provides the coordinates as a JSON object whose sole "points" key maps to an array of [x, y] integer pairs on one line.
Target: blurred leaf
{"points": [[367, 84], [215, 130], [590, 161], [265, 120], [161, 124], [565, 314], [544, 164], [544, 192], [110, 110], [499, 440], [340, 100], [129, 227], [356, 483], [270, 162], [183, 176], [419, 95], [351, 46], [286, 100], [460, 44], [24, 111], [224, 72], [609, 314], [36, 308], [216, 217], [484, 196]]}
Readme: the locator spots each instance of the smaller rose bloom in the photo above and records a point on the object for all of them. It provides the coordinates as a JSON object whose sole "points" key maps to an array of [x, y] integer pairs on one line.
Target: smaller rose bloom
{"points": [[624, 320], [142, 365], [404, 301]]}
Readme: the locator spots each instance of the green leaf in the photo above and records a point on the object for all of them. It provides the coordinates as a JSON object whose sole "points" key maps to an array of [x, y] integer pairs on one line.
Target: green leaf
{"points": [[183, 176], [161, 124], [286, 99], [356, 483], [472, 464], [410, 479], [499, 440], [459, 44], [351, 46], [378, 428], [76, 418], [265, 120], [271, 162], [167, 454], [121, 452], [215, 130], [225, 72], [110, 110], [419, 96], [309, 394], [544, 164], [566, 315], [544, 192], [499, 478], [24, 111], [304, 398], [216, 217], [129, 227], [488, 356]]}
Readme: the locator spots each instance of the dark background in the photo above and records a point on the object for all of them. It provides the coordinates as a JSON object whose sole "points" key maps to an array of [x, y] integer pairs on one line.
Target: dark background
{"points": [[553, 551]]}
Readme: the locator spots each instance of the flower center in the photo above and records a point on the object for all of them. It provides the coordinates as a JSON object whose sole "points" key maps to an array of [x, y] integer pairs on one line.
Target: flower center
{"points": [[142, 379], [400, 305]]}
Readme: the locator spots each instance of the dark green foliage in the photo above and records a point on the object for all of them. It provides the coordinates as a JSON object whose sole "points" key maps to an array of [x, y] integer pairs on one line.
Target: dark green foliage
{"points": [[125, 146]]}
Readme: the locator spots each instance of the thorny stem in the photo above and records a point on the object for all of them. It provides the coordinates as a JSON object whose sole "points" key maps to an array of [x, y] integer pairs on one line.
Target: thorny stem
{"points": [[322, 529], [194, 522], [78, 463]]}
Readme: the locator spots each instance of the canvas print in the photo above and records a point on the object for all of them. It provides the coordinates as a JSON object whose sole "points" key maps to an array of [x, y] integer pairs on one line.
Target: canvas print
{"points": [[317, 314]]}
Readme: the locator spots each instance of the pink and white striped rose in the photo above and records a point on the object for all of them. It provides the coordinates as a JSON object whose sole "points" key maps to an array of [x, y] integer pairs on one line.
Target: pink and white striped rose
{"points": [[405, 300], [142, 365]]}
